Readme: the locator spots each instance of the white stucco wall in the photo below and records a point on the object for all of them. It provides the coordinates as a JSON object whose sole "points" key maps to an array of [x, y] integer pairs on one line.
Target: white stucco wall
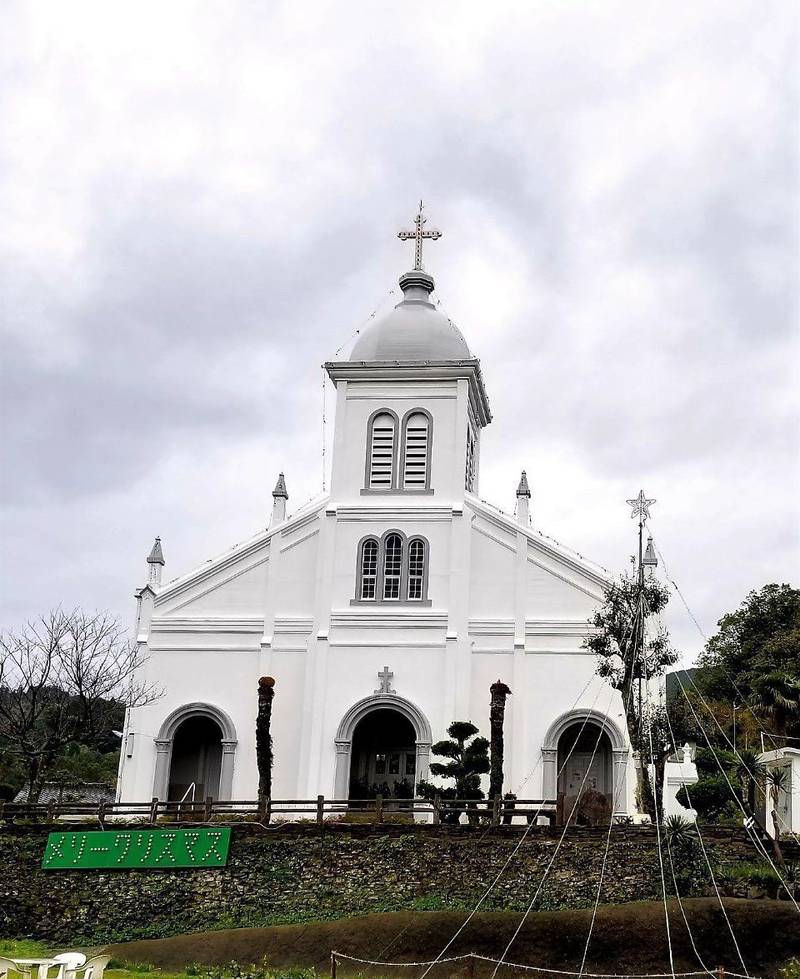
{"points": [[504, 602]]}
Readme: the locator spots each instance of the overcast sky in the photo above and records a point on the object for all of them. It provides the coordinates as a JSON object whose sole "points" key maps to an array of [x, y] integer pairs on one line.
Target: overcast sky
{"points": [[199, 205]]}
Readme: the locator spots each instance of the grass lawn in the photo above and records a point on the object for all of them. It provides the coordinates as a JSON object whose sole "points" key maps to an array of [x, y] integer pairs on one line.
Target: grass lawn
{"points": [[24, 949]]}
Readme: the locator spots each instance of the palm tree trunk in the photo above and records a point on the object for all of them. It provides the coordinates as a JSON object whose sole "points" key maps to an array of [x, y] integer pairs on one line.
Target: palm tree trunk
{"points": [[497, 711], [266, 692]]}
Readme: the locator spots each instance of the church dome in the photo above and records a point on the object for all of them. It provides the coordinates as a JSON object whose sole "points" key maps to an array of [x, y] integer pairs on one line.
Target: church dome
{"points": [[415, 330]]}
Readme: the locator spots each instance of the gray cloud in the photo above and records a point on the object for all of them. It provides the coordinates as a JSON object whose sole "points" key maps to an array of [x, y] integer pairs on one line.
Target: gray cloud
{"points": [[198, 209]]}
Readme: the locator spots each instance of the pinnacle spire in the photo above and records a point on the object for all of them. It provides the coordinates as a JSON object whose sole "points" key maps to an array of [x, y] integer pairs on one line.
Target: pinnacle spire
{"points": [[279, 498], [156, 563], [280, 488], [523, 501], [156, 555]]}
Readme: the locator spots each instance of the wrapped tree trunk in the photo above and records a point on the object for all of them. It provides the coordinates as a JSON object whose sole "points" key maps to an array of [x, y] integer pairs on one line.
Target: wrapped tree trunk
{"points": [[266, 691], [497, 711]]}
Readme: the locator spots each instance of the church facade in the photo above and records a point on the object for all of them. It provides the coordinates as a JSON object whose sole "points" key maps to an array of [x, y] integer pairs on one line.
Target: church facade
{"points": [[384, 610]]}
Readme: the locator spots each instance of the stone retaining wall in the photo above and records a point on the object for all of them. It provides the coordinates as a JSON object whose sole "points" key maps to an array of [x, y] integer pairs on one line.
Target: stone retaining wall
{"points": [[296, 873]]}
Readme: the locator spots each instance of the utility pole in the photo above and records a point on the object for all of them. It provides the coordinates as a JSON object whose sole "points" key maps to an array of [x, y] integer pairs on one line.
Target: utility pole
{"points": [[640, 509]]}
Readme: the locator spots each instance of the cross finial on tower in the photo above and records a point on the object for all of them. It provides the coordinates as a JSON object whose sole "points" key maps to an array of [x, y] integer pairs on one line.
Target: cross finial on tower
{"points": [[418, 235]]}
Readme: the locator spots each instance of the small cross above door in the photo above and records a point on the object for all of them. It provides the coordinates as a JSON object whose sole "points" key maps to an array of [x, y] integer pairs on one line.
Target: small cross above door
{"points": [[385, 676]]}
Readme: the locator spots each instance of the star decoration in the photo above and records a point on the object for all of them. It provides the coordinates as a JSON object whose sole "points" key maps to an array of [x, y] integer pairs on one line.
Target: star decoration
{"points": [[640, 507]]}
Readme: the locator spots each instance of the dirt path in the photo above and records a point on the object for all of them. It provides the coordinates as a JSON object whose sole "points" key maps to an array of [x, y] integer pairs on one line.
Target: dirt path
{"points": [[627, 938]]}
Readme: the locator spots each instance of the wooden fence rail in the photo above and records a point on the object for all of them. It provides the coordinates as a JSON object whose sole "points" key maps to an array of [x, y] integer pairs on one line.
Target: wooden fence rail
{"points": [[476, 811]]}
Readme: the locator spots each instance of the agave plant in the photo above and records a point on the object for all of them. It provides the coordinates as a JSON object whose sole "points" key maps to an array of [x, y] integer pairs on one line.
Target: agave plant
{"points": [[678, 830], [776, 780]]}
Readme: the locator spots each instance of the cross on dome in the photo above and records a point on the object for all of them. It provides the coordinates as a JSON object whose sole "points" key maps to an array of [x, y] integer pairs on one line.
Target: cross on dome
{"points": [[418, 235]]}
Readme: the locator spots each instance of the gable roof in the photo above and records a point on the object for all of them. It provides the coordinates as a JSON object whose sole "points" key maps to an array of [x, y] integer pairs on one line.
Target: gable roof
{"points": [[596, 573], [240, 550]]}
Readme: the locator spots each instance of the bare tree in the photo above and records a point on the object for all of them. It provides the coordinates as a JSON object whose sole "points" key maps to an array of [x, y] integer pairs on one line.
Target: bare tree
{"points": [[64, 678]]}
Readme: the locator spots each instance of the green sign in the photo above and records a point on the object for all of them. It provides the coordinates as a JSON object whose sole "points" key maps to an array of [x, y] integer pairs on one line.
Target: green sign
{"points": [[143, 848]]}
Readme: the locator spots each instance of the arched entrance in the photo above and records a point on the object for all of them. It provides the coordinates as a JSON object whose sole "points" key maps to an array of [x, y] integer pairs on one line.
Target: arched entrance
{"points": [[196, 744], [399, 732], [569, 759], [196, 762], [584, 766], [383, 759]]}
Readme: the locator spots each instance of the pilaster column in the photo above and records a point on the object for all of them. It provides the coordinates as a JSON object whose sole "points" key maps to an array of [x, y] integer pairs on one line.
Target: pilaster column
{"points": [[423, 759], [226, 770], [265, 663], [161, 769], [341, 787], [619, 781], [450, 672], [519, 752], [549, 773]]}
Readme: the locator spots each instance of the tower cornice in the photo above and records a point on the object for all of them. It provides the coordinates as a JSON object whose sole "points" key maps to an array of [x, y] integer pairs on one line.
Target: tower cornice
{"points": [[418, 370]]}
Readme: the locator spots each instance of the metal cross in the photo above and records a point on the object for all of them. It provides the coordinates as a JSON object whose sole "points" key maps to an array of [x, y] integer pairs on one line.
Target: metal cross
{"points": [[640, 507], [385, 676], [418, 234]]}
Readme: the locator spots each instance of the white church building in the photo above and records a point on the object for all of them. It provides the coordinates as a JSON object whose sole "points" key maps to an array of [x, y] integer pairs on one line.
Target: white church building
{"points": [[384, 610]]}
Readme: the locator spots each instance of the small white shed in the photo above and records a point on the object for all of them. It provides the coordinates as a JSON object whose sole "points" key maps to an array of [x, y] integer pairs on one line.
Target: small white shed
{"points": [[788, 802]]}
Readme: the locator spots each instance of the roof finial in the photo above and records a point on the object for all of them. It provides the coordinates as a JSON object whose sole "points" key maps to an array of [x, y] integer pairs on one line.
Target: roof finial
{"points": [[156, 555], [418, 284], [156, 561], [418, 235], [523, 501], [279, 498], [280, 488]]}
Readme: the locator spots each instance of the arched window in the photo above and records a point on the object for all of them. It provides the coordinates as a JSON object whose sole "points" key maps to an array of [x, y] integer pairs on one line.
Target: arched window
{"points": [[392, 567], [382, 449], [368, 570], [416, 451], [416, 570]]}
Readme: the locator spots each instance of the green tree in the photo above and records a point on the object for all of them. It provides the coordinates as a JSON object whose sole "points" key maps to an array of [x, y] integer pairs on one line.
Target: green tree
{"points": [[468, 759], [628, 660], [755, 656]]}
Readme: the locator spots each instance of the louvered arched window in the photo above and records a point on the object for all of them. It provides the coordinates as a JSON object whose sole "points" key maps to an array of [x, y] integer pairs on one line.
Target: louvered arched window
{"points": [[368, 570], [416, 570], [416, 451], [392, 567], [382, 451]]}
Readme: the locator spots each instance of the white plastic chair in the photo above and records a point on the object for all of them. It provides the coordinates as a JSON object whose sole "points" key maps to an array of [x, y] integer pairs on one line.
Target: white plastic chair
{"points": [[93, 968], [9, 965], [68, 963]]}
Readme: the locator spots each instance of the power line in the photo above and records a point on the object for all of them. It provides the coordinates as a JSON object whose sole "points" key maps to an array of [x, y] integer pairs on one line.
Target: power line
{"points": [[555, 852], [517, 848]]}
